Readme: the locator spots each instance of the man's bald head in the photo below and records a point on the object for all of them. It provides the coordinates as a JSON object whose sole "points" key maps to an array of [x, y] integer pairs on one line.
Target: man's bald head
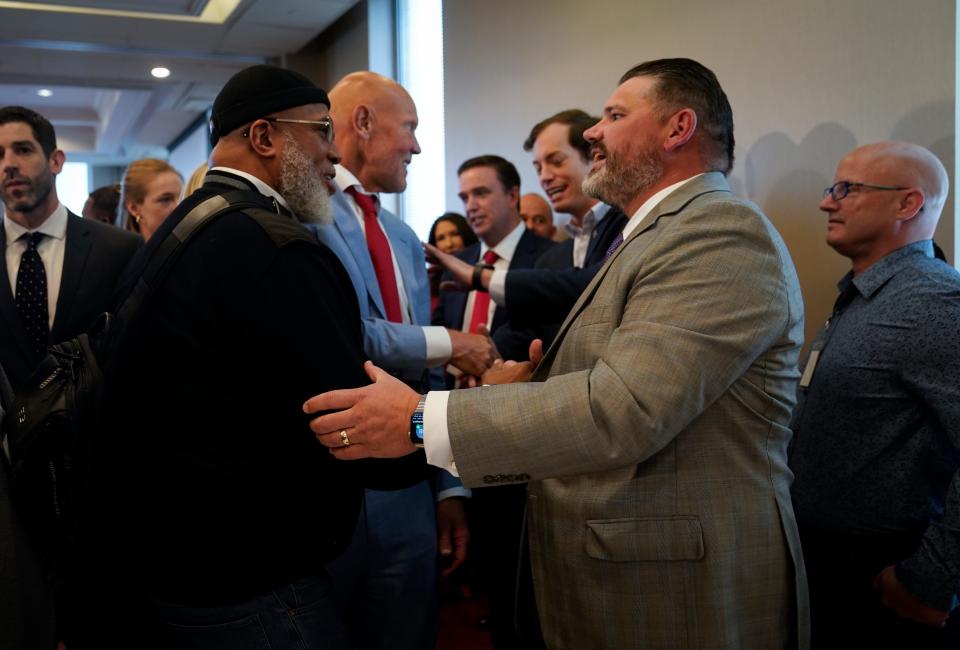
{"points": [[890, 194], [375, 120], [904, 164], [367, 88], [537, 215]]}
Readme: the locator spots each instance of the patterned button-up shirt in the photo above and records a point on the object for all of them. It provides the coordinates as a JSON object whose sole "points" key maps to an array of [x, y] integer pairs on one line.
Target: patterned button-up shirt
{"points": [[876, 446]]}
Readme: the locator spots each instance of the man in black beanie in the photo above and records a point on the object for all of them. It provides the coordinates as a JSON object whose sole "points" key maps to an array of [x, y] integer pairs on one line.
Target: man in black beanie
{"points": [[216, 509]]}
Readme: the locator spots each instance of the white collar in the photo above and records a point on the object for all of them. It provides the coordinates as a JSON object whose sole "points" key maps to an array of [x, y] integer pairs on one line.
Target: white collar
{"points": [[590, 220], [641, 214], [54, 226], [345, 180], [507, 246], [262, 187]]}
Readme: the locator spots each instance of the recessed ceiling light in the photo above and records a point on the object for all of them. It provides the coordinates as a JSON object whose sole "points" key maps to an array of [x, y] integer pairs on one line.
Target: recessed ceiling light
{"points": [[160, 72], [45, 92]]}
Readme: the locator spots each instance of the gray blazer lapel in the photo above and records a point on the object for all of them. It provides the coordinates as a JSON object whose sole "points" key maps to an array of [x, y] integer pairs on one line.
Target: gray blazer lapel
{"points": [[75, 254], [670, 206], [351, 232]]}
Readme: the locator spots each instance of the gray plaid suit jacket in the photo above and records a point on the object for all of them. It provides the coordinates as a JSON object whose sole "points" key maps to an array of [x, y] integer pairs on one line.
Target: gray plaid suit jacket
{"points": [[654, 436]]}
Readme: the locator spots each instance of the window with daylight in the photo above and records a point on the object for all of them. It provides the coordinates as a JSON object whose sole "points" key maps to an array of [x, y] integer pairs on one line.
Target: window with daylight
{"points": [[420, 71], [73, 186]]}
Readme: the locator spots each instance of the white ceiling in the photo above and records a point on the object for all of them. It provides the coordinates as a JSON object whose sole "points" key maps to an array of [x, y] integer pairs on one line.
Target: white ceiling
{"points": [[105, 105]]}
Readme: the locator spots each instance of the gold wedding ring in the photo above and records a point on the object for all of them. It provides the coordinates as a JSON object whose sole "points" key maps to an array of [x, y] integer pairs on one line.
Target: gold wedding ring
{"points": [[344, 438]]}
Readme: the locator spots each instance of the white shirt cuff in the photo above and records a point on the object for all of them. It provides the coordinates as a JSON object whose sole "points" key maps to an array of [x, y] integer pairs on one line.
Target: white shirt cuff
{"points": [[436, 437], [439, 346], [498, 287]]}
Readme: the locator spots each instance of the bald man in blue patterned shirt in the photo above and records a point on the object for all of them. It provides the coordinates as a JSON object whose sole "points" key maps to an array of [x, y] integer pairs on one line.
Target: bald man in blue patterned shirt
{"points": [[876, 446]]}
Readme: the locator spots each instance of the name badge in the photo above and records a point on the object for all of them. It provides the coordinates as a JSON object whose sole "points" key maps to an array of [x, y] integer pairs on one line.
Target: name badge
{"points": [[809, 368]]}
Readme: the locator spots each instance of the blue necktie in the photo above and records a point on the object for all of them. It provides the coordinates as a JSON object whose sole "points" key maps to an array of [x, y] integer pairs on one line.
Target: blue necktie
{"points": [[31, 295]]}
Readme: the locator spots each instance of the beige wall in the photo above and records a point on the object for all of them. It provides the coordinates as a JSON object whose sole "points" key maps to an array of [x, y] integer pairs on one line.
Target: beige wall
{"points": [[339, 50], [808, 81]]}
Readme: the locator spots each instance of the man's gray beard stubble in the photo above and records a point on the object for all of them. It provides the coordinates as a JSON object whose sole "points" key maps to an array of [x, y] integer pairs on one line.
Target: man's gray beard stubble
{"points": [[618, 181], [302, 186]]}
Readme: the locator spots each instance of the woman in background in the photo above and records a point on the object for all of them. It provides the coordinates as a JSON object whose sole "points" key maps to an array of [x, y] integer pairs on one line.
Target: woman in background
{"points": [[450, 233], [150, 191]]}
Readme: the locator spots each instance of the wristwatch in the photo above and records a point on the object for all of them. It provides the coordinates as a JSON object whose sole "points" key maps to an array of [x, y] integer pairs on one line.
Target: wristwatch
{"points": [[476, 280], [416, 423]]}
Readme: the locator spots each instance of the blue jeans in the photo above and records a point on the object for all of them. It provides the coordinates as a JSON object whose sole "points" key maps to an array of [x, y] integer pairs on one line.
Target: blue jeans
{"points": [[298, 616], [386, 580]]}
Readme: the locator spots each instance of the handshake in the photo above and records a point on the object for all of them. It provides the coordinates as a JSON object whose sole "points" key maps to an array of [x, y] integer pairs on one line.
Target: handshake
{"points": [[474, 355], [374, 421], [487, 369]]}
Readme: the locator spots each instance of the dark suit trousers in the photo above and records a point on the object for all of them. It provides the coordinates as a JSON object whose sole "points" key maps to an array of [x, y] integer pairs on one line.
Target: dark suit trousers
{"points": [[846, 611], [499, 549]]}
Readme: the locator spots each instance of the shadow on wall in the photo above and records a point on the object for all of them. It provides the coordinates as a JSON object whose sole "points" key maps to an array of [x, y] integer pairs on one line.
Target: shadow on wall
{"points": [[786, 180], [916, 127]]}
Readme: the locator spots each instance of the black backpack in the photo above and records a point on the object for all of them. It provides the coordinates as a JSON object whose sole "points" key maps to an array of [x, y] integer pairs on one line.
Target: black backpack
{"points": [[51, 426]]}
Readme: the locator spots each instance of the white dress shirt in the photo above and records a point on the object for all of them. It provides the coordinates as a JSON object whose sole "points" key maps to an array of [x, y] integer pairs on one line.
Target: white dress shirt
{"points": [[583, 235], [262, 187], [439, 345], [436, 436], [51, 249], [505, 249]]}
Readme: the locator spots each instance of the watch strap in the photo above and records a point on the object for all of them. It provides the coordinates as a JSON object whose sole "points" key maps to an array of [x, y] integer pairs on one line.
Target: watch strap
{"points": [[477, 278]]}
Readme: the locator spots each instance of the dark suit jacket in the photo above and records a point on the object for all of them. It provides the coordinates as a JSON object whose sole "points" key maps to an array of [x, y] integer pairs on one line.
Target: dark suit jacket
{"points": [[226, 491], [26, 602], [94, 257], [512, 343], [540, 298]]}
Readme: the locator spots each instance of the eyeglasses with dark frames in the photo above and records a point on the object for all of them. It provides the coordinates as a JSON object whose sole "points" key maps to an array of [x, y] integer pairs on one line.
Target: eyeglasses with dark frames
{"points": [[841, 189]]}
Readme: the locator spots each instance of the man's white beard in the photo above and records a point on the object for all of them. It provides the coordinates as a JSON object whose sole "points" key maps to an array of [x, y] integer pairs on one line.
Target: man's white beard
{"points": [[619, 181], [302, 186]]}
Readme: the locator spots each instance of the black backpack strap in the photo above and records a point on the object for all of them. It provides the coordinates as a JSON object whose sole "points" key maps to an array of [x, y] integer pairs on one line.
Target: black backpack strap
{"points": [[203, 214]]}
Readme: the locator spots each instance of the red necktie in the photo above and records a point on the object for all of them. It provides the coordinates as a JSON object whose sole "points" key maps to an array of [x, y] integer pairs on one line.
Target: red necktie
{"points": [[481, 299], [379, 249]]}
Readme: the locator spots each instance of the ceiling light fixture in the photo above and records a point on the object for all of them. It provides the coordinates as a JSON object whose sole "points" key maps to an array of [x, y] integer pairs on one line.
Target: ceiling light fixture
{"points": [[160, 72], [45, 92]]}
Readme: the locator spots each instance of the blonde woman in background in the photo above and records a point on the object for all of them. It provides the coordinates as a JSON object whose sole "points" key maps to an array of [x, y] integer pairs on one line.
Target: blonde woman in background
{"points": [[150, 191], [195, 180]]}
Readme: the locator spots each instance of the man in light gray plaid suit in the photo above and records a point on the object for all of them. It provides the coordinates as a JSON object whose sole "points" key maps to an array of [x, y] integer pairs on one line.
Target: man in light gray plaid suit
{"points": [[654, 431]]}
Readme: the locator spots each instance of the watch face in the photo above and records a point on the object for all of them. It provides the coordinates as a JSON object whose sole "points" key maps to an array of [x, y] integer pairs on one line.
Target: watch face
{"points": [[416, 433]]}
